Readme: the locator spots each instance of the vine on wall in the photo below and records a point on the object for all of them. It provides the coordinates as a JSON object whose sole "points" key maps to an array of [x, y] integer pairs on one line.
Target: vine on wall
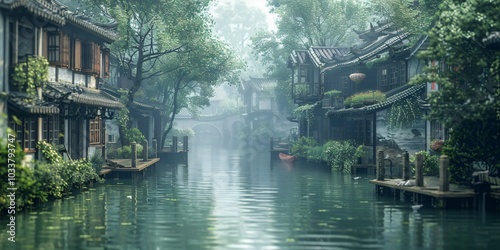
{"points": [[404, 113], [32, 73]]}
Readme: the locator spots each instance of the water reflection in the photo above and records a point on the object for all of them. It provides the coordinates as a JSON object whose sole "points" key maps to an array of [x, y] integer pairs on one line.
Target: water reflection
{"points": [[227, 200]]}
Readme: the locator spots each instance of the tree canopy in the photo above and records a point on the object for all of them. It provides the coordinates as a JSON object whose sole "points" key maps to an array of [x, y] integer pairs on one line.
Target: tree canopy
{"points": [[167, 49], [301, 24], [468, 75]]}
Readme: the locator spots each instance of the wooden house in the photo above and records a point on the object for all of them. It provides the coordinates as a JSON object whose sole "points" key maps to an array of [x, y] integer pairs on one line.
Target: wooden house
{"points": [[69, 109], [380, 67]]}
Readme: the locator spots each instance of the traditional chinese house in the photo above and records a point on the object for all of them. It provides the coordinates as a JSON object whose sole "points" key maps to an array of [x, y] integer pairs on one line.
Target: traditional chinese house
{"points": [[380, 67], [68, 109]]}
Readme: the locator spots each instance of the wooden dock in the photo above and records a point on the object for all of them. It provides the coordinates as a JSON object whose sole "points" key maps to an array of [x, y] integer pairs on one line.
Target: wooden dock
{"points": [[429, 194], [117, 166]]}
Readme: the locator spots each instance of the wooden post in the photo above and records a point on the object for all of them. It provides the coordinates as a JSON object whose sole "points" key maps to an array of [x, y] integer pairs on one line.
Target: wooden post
{"points": [[271, 144], [185, 143], [145, 150], [380, 165], [133, 157], [444, 184], [155, 148], [174, 144], [419, 171], [406, 166]]}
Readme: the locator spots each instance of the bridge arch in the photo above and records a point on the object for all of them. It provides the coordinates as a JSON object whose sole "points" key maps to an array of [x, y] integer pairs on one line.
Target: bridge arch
{"points": [[221, 135]]}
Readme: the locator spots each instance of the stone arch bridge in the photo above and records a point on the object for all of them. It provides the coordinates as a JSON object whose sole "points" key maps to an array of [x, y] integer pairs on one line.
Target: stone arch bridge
{"points": [[217, 126]]}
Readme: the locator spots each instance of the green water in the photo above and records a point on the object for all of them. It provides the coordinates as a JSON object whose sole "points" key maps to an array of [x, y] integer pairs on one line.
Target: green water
{"points": [[230, 199]]}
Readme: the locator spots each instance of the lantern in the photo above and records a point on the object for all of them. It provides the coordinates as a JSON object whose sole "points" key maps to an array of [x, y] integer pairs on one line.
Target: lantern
{"points": [[357, 77]]}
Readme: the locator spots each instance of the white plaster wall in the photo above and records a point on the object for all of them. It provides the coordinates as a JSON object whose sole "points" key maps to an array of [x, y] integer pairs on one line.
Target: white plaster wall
{"points": [[92, 82], [80, 79], [52, 74], [65, 76]]}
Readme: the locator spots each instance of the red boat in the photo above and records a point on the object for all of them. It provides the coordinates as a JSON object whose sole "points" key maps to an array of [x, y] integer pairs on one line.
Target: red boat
{"points": [[286, 158]]}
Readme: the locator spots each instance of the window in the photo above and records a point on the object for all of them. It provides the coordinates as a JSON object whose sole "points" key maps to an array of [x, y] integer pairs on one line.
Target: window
{"points": [[95, 130], [26, 42], [58, 49], [87, 57], [402, 74], [30, 133], [436, 131], [51, 129], [303, 75], [91, 58], [25, 132], [111, 139]]}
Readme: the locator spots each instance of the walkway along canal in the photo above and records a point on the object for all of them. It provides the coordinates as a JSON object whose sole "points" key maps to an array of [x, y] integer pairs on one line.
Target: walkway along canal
{"points": [[236, 199]]}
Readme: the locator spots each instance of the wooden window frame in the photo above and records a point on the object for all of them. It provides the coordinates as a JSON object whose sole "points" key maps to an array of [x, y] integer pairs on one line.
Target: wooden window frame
{"points": [[58, 49], [91, 58], [95, 128], [51, 129], [26, 132], [87, 55]]}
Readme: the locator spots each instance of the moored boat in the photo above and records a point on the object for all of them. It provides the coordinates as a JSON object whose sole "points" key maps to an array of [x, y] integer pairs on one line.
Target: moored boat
{"points": [[286, 158]]}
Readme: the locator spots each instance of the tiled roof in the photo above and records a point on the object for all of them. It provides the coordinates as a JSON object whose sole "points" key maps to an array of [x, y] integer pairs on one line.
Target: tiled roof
{"points": [[80, 95], [395, 95], [184, 113], [24, 104], [371, 52], [377, 40], [322, 55], [299, 57], [45, 9], [492, 40], [260, 84], [59, 14]]}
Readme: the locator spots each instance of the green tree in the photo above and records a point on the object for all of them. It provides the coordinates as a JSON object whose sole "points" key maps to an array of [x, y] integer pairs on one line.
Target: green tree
{"points": [[468, 76], [205, 63], [415, 16], [301, 24], [236, 22]]}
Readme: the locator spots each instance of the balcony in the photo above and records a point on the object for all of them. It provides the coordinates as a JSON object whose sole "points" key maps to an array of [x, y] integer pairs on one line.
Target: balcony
{"points": [[330, 102], [306, 92]]}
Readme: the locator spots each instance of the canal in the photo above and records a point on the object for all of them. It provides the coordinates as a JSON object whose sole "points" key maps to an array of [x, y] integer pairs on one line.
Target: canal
{"points": [[232, 199]]}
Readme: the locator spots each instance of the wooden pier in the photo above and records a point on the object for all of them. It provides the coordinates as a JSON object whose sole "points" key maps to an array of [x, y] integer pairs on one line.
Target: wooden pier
{"points": [[434, 191], [121, 167], [429, 194]]}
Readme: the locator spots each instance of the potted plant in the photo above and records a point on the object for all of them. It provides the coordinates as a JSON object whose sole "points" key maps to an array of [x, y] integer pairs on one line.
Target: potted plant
{"points": [[367, 98], [347, 102], [437, 145]]}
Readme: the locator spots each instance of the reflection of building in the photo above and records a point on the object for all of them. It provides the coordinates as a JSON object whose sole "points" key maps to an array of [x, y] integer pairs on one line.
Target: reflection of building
{"points": [[69, 109], [384, 61]]}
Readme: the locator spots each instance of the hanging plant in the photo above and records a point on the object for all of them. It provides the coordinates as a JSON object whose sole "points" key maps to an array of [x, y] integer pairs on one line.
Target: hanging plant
{"points": [[32, 73], [306, 109], [404, 113]]}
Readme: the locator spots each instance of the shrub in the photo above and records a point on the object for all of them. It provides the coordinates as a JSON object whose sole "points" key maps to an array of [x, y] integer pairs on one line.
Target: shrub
{"points": [[369, 96], [134, 135], [340, 154], [49, 182], [97, 163], [430, 164], [302, 145], [315, 154]]}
